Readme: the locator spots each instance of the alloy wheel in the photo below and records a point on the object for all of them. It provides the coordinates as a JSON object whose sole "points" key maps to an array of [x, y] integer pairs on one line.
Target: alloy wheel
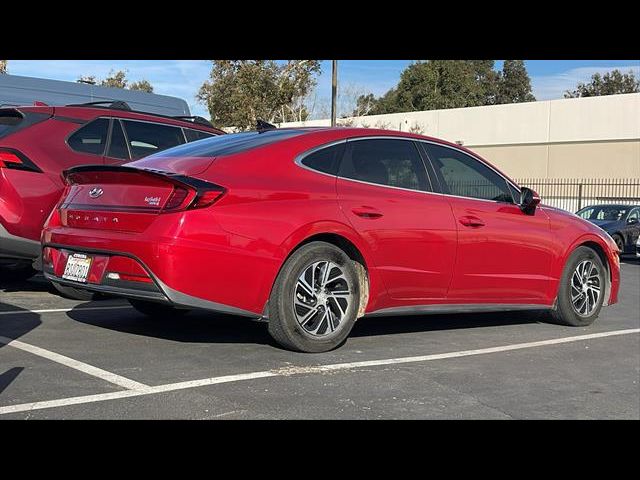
{"points": [[322, 298], [585, 288]]}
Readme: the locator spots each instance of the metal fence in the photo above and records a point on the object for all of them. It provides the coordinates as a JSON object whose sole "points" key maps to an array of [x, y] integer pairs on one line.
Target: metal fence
{"points": [[573, 194]]}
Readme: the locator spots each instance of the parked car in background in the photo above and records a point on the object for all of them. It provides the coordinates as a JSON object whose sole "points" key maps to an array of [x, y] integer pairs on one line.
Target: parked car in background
{"points": [[638, 248], [16, 90], [38, 142], [622, 222], [310, 229]]}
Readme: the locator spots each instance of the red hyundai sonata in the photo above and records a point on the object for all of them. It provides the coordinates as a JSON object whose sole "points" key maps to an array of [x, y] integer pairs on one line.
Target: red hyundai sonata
{"points": [[310, 229]]}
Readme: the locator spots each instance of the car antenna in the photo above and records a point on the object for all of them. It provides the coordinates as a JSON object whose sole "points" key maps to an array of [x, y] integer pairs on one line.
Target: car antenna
{"points": [[263, 126]]}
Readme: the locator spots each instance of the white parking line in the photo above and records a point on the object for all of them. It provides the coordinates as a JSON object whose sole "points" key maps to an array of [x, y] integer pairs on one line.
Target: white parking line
{"points": [[288, 371], [57, 310], [75, 364]]}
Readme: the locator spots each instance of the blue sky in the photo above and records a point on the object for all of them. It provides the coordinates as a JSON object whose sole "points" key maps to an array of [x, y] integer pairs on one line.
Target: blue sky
{"points": [[182, 78]]}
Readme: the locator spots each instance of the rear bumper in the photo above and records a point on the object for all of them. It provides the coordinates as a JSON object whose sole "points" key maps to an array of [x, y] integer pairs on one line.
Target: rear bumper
{"points": [[151, 289]]}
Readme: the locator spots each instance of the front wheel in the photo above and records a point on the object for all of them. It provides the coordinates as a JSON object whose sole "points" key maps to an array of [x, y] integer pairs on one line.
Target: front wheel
{"points": [[619, 242], [315, 300], [582, 289]]}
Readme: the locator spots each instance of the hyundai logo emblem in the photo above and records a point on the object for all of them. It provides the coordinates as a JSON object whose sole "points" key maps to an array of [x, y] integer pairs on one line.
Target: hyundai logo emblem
{"points": [[95, 192]]}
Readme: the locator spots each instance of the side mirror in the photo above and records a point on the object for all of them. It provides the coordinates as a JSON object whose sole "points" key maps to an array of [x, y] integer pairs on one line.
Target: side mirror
{"points": [[632, 221], [529, 200]]}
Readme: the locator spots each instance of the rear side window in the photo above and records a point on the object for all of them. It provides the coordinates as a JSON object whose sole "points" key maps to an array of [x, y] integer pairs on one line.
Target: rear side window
{"points": [[193, 135], [118, 144], [91, 138], [147, 138], [325, 159], [392, 162]]}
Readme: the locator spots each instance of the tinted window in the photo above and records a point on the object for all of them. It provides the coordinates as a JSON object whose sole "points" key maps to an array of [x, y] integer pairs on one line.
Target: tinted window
{"points": [[231, 143], [325, 160], [464, 176], [193, 135], [91, 138], [396, 163], [604, 212], [635, 213], [118, 145], [147, 138]]}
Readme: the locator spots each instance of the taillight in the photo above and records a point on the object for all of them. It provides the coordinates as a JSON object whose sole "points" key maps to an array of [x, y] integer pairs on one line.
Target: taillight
{"points": [[15, 160], [207, 197], [176, 198]]}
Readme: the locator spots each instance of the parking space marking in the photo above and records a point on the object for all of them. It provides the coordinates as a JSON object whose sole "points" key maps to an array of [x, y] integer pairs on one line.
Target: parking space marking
{"points": [[289, 371], [75, 364], [58, 310]]}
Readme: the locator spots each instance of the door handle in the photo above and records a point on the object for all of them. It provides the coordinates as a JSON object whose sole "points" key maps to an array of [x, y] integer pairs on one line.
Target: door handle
{"points": [[471, 221], [367, 212]]}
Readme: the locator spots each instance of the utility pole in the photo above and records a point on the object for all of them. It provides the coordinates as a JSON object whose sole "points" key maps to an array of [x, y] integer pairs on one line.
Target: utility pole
{"points": [[334, 91]]}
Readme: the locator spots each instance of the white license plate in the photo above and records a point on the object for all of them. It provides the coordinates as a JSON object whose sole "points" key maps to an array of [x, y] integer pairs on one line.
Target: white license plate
{"points": [[77, 268]]}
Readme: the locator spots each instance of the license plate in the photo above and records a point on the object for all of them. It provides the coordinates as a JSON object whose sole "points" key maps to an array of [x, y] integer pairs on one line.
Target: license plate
{"points": [[77, 268]]}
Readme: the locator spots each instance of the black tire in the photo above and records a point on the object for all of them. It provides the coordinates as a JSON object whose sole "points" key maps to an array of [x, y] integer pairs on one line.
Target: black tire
{"points": [[564, 312], [156, 310], [75, 293], [18, 272], [619, 242], [283, 324]]}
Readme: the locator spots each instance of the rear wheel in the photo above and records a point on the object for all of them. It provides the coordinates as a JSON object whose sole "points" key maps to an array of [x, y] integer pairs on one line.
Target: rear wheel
{"points": [[315, 300], [157, 310], [75, 293], [619, 242], [582, 289]]}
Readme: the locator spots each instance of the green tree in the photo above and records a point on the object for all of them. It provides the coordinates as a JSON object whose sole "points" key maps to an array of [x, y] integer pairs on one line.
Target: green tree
{"points": [[611, 83], [435, 84], [514, 84], [142, 85], [117, 79], [3, 66], [241, 91]]}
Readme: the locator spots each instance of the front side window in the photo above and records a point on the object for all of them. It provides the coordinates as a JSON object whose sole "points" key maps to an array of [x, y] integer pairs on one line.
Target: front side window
{"points": [[391, 162], [147, 138], [464, 176], [91, 138], [635, 213]]}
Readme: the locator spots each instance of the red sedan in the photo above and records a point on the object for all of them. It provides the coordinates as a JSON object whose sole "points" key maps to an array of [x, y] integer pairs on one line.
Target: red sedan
{"points": [[311, 229]]}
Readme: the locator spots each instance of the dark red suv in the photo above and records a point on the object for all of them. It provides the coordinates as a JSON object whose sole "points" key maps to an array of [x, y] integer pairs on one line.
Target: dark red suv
{"points": [[38, 142]]}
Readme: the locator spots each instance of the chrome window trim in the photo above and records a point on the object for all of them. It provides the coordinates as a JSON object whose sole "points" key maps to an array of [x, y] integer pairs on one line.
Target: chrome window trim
{"points": [[298, 161], [301, 156]]}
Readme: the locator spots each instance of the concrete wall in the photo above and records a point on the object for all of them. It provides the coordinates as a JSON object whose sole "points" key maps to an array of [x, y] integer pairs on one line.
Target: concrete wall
{"points": [[597, 137]]}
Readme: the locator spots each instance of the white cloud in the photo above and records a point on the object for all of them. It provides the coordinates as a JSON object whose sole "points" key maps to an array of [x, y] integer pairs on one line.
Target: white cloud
{"points": [[550, 87]]}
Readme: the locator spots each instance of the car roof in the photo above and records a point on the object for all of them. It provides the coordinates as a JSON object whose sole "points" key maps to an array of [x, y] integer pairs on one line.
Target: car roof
{"points": [[89, 112]]}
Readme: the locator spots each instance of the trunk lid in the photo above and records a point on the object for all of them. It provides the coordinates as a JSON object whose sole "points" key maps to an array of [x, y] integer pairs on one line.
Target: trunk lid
{"points": [[125, 198]]}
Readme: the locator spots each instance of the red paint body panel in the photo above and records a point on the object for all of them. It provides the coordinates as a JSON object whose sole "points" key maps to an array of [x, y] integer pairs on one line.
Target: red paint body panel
{"points": [[27, 197], [415, 246]]}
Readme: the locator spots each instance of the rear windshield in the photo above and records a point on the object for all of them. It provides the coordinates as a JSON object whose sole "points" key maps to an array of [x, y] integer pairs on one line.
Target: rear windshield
{"points": [[228, 144], [11, 120]]}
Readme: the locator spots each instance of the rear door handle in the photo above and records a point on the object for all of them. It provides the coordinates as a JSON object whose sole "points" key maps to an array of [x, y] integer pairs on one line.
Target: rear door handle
{"points": [[471, 221], [367, 212]]}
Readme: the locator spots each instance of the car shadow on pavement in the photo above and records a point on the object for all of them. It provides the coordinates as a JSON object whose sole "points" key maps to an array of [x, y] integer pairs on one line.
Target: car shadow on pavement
{"points": [[197, 326], [12, 327], [35, 284], [207, 327], [630, 260]]}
